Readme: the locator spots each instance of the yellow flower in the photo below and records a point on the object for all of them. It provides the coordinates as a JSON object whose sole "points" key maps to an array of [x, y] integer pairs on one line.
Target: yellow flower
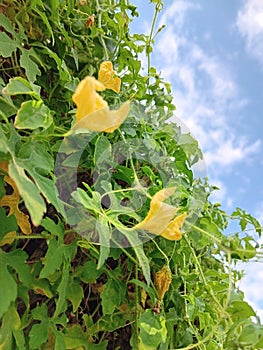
{"points": [[106, 77], [104, 119], [93, 112], [87, 99], [159, 219]]}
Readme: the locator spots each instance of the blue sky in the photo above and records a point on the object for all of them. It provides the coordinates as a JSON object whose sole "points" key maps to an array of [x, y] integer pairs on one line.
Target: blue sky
{"points": [[212, 54]]}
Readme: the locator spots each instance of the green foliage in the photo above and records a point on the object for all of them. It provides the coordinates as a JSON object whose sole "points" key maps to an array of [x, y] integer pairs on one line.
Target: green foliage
{"points": [[83, 279]]}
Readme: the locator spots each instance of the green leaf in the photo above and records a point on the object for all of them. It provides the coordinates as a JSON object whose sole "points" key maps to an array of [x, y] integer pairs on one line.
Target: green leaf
{"points": [[15, 259], [102, 151], [75, 294], [39, 332], [104, 231], [75, 338], [7, 224], [240, 309], [21, 86], [52, 227], [53, 259], [112, 295], [43, 16], [91, 203], [142, 258], [63, 292], [35, 158], [32, 115], [6, 23], [29, 65], [7, 45], [8, 285], [29, 192], [153, 330], [11, 334], [7, 108], [88, 273]]}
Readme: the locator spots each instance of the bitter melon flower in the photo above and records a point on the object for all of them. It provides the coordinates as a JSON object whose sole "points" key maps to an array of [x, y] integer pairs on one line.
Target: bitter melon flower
{"points": [[93, 112], [160, 218], [106, 77]]}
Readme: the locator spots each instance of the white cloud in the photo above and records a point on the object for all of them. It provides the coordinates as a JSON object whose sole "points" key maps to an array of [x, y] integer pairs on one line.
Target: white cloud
{"points": [[205, 91], [208, 101], [230, 151], [250, 25]]}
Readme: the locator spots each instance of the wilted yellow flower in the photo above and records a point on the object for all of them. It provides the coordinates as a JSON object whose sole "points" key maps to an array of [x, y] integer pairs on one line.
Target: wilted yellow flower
{"points": [[162, 281], [159, 219], [106, 77]]}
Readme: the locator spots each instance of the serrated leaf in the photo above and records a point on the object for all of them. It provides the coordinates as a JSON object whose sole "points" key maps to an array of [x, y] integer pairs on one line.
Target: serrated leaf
{"points": [[8, 286], [43, 16], [91, 203], [75, 337], [33, 115], [53, 258], [38, 162], [88, 273], [102, 151], [112, 295], [63, 292], [29, 192], [10, 331], [29, 65], [7, 45], [39, 332], [52, 227], [153, 330], [6, 23], [20, 86], [75, 294]]}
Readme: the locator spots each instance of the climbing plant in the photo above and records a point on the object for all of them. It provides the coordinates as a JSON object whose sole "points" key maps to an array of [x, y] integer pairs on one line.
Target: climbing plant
{"points": [[108, 238]]}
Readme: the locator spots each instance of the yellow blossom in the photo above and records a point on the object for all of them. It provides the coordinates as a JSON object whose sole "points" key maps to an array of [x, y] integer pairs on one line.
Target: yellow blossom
{"points": [[106, 77], [104, 119], [93, 112], [87, 99], [160, 220]]}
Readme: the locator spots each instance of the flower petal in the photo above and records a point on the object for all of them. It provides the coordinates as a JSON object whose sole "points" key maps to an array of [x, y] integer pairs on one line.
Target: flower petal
{"points": [[104, 119], [160, 214], [172, 231], [87, 99], [106, 77]]}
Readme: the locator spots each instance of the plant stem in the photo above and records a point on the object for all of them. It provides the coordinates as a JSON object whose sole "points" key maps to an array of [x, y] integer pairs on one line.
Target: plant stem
{"points": [[148, 44], [101, 39]]}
